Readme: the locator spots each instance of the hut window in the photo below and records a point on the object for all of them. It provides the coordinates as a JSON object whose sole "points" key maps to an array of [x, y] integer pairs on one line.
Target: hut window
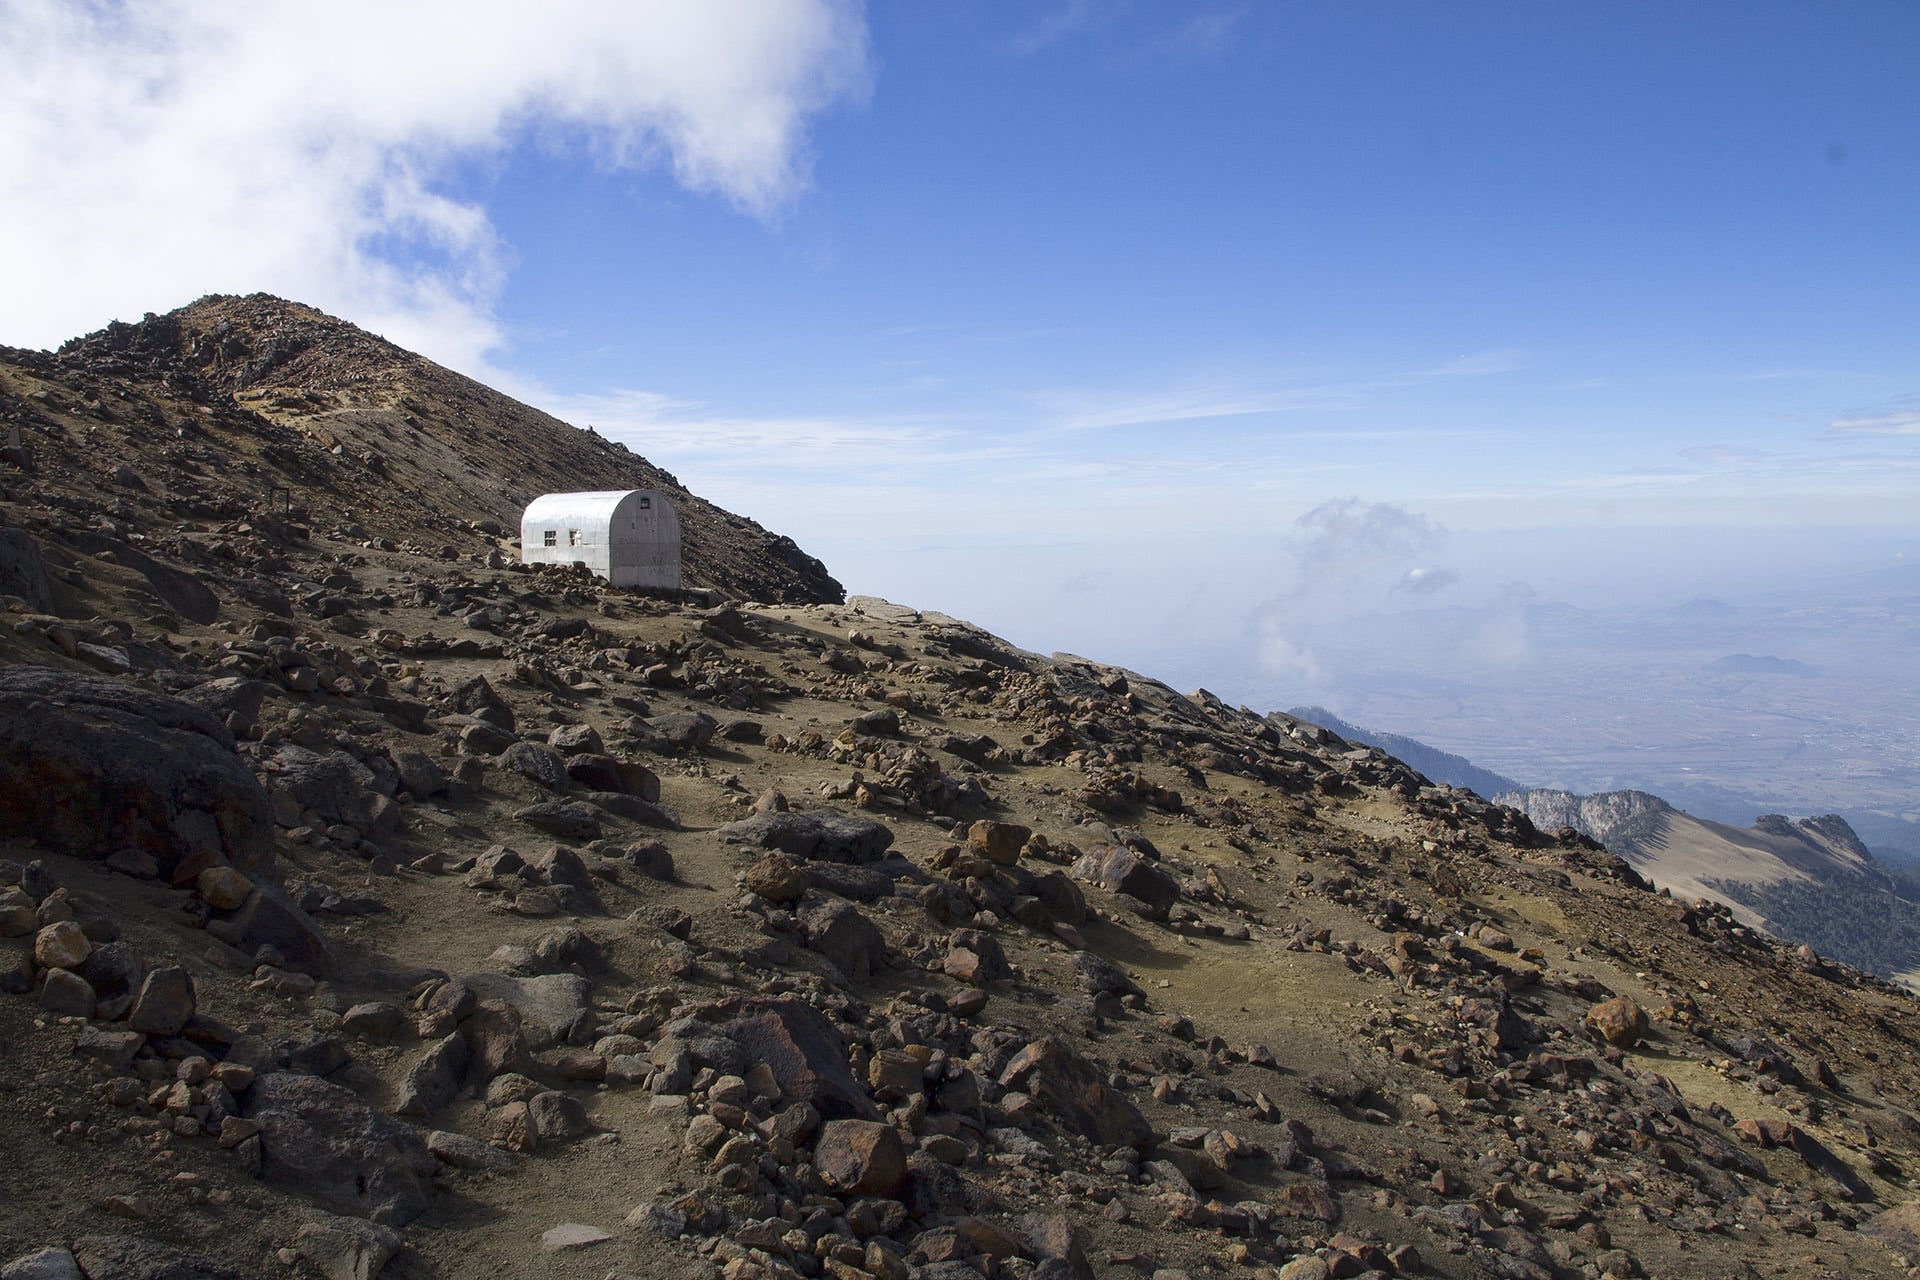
{"points": [[552, 538], [573, 537], [644, 504]]}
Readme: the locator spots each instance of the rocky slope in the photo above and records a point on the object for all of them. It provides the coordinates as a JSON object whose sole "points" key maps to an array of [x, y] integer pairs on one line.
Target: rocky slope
{"points": [[1812, 880], [401, 915], [1441, 766]]}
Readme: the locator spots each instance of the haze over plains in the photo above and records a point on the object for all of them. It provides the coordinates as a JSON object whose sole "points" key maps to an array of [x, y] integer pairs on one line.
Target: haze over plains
{"points": [[1311, 353]]}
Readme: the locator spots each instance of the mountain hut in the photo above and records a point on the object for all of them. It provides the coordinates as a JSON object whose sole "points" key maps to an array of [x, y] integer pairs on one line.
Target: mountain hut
{"points": [[630, 537]]}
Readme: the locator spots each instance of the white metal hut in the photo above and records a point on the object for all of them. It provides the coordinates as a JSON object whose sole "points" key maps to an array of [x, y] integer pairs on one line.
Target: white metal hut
{"points": [[630, 537]]}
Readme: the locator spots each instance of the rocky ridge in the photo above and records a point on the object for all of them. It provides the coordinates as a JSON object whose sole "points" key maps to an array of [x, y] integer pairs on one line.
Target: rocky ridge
{"points": [[438, 917]]}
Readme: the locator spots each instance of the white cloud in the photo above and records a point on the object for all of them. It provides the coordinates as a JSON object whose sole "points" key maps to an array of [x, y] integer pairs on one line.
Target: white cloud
{"points": [[156, 150], [1899, 417]]}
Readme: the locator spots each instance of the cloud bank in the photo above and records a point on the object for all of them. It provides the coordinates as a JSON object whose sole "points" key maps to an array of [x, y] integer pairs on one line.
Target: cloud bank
{"points": [[156, 150]]}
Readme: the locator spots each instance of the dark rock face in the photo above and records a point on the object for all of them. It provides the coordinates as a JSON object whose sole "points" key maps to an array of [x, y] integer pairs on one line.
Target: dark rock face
{"points": [[21, 571], [90, 766], [321, 1139], [271, 918], [179, 590], [542, 764], [840, 932], [806, 1055], [821, 833]]}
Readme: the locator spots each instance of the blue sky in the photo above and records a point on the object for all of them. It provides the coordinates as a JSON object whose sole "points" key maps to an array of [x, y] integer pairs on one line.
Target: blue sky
{"points": [[1102, 323]]}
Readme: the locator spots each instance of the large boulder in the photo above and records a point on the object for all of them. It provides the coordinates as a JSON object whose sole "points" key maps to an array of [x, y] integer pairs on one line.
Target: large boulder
{"points": [[90, 767], [839, 931], [1121, 870], [807, 1055], [323, 1140], [820, 833], [861, 1157], [336, 786], [549, 1004], [1072, 1090]]}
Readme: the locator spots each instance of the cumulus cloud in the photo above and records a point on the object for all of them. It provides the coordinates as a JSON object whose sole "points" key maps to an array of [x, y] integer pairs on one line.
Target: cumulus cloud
{"points": [[159, 149], [1348, 558], [1346, 535]]}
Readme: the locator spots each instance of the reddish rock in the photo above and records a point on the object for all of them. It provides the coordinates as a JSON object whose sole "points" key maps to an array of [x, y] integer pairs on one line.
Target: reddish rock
{"points": [[777, 878], [1310, 1200], [495, 1043], [1055, 1236], [860, 1157], [223, 888], [1620, 1022], [1763, 1133], [998, 842], [596, 772]]}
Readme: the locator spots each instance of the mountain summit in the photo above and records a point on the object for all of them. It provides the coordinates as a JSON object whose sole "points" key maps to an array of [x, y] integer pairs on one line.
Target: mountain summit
{"points": [[232, 403]]}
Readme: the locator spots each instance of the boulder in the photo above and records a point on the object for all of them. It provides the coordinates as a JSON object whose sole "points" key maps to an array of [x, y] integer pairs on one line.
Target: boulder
{"points": [[22, 572], [478, 698], [820, 833], [998, 842], [975, 958], [1073, 1091], [558, 818], [42, 1264], [269, 917], [678, 731], [419, 773], [777, 878], [336, 786], [346, 1248], [548, 1004], [91, 766], [596, 772], [842, 933], [541, 764], [861, 884], [434, 1079], [576, 739], [1620, 1022], [860, 1157], [165, 1004], [118, 1257], [321, 1139], [1121, 870], [806, 1055]]}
